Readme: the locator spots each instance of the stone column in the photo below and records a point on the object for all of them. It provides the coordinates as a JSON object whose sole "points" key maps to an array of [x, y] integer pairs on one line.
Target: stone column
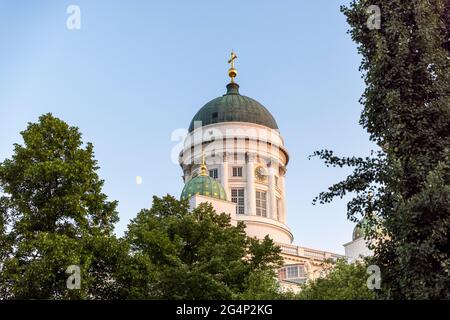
{"points": [[250, 192], [272, 201], [224, 175], [283, 195]]}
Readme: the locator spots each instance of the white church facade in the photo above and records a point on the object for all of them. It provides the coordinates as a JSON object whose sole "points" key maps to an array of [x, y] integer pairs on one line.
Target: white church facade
{"points": [[234, 157]]}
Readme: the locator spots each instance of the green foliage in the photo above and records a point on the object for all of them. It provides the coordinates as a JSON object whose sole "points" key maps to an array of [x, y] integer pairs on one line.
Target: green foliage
{"points": [[260, 285], [198, 254], [344, 281], [403, 190], [53, 214]]}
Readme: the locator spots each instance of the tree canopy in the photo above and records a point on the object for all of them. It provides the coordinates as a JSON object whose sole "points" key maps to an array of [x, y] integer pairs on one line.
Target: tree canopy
{"points": [[57, 224], [343, 281], [53, 215], [403, 189], [195, 254]]}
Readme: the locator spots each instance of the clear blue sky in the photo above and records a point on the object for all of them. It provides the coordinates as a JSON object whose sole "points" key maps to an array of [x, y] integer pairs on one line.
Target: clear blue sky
{"points": [[137, 70]]}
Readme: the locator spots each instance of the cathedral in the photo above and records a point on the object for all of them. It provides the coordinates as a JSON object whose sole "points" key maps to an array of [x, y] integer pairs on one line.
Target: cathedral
{"points": [[234, 158]]}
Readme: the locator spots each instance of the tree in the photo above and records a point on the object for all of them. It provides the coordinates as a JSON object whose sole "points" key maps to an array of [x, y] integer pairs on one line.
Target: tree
{"points": [[180, 253], [403, 190], [260, 285], [343, 281], [53, 215]]}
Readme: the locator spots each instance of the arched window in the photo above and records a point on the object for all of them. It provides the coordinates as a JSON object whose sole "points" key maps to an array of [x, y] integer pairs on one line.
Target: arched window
{"points": [[293, 273]]}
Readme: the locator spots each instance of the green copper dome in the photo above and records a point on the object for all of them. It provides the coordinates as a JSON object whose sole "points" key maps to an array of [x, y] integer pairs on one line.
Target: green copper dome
{"points": [[358, 232], [234, 107], [360, 229], [203, 185]]}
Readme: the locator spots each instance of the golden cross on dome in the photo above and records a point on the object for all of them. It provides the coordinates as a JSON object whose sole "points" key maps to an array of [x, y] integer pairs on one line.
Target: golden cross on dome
{"points": [[233, 57], [232, 72]]}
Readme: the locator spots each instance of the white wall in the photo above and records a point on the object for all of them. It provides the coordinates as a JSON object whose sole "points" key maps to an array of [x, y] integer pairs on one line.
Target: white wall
{"points": [[259, 227], [218, 205], [356, 249]]}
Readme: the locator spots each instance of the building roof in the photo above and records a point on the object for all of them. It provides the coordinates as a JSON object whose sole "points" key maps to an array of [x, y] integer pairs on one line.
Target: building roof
{"points": [[360, 229], [358, 232], [234, 107], [203, 185]]}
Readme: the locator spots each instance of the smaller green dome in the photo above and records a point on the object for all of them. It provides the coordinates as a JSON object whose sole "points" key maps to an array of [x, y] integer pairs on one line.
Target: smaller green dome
{"points": [[360, 229], [357, 233], [203, 185]]}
